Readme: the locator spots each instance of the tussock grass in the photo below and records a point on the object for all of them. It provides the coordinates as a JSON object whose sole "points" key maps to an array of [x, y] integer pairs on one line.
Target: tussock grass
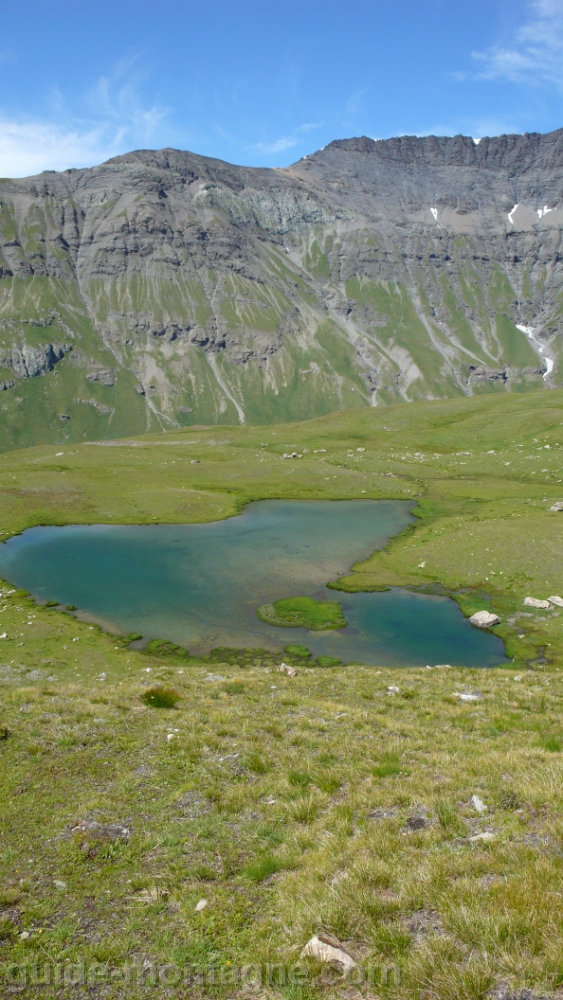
{"points": [[161, 697]]}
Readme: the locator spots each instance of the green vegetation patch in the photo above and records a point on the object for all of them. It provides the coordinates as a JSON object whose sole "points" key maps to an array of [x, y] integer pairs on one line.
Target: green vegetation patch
{"points": [[161, 647], [303, 612], [161, 697], [327, 661], [301, 651]]}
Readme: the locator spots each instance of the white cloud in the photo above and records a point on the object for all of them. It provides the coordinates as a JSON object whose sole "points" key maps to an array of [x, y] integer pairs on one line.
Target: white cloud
{"points": [[476, 127], [536, 54], [30, 147], [111, 119], [287, 141]]}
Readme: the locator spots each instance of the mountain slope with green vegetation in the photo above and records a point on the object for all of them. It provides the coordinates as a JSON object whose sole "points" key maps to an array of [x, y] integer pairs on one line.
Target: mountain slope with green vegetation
{"points": [[413, 816], [188, 291]]}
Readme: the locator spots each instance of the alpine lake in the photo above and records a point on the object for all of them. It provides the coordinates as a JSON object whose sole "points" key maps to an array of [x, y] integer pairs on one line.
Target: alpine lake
{"points": [[200, 585]]}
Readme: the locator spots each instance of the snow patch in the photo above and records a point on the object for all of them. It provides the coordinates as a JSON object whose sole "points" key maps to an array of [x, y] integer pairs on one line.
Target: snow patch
{"points": [[530, 332], [511, 213], [543, 211], [476, 141], [434, 213]]}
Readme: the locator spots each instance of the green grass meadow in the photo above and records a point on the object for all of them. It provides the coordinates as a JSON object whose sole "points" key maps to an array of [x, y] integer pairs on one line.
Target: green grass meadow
{"points": [[412, 815]]}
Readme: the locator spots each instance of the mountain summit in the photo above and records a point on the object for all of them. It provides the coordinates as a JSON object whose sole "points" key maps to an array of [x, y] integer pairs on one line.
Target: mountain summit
{"points": [[164, 289]]}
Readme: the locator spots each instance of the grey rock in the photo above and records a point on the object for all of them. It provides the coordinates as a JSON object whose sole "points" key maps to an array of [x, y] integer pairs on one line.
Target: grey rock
{"points": [[104, 377], [92, 830], [28, 362], [100, 407], [379, 814], [414, 823]]}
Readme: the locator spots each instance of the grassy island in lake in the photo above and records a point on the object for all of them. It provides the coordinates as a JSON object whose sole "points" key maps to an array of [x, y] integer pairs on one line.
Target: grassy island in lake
{"points": [[303, 612]]}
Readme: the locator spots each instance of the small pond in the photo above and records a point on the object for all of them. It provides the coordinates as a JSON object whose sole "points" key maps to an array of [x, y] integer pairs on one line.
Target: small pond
{"points": [[199, 584]]}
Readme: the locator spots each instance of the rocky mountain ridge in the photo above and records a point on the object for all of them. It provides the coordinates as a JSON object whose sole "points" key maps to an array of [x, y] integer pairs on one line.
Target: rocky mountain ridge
{"points": [[182, 289]]}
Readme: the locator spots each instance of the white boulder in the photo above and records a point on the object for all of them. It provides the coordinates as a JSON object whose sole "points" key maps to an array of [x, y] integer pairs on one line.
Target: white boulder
{"points": [[321, 948], [484, 619], [557, 506], [284, 668], [556, 600], [533, 602], [478, 804]]}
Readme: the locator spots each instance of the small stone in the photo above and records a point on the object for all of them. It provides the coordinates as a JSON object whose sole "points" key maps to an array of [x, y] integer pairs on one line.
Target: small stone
{"points": [[486, 837], [414, 823], [466, 696], [214, 677], [201, 905], [533, 602], [326, 950], [478, 804], [556, 600], [59, 884], [100, 831], [557, 506], [24, 935], [484, 619], [422, 565], [284, 668], [150, 895], [392, 689], [383, 813]]}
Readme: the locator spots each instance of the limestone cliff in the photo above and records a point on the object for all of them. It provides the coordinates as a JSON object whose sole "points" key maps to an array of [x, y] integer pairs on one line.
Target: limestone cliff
{"points": [[179, 289]]}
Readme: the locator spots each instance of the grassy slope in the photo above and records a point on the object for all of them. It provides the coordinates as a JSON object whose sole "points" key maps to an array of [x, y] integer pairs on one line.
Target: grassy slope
{"points": [[279, 839]]}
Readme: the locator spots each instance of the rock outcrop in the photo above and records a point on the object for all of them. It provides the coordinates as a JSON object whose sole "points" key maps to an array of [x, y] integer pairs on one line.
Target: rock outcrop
{"points": [[367, 272]]}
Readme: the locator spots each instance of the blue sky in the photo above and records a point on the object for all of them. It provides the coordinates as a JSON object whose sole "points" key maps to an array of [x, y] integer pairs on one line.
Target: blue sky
{"points": [[263, 82]]}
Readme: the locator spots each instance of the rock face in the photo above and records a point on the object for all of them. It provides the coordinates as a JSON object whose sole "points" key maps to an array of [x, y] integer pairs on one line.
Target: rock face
{"points": [[27, 362], [368, 272]]}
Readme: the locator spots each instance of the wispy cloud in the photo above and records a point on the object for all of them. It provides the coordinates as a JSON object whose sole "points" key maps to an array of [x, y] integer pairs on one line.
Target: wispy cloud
{"points": [[288, 141], [476, 127], [108, 120], [32, 146], [354, 104], [535, 55]]}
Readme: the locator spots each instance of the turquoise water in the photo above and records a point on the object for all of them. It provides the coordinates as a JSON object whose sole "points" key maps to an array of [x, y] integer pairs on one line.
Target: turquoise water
{"points": [[200, 584]]}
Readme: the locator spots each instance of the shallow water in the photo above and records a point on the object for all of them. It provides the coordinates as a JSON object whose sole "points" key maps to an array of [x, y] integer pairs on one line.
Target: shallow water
{"points": [[200, 584]]}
